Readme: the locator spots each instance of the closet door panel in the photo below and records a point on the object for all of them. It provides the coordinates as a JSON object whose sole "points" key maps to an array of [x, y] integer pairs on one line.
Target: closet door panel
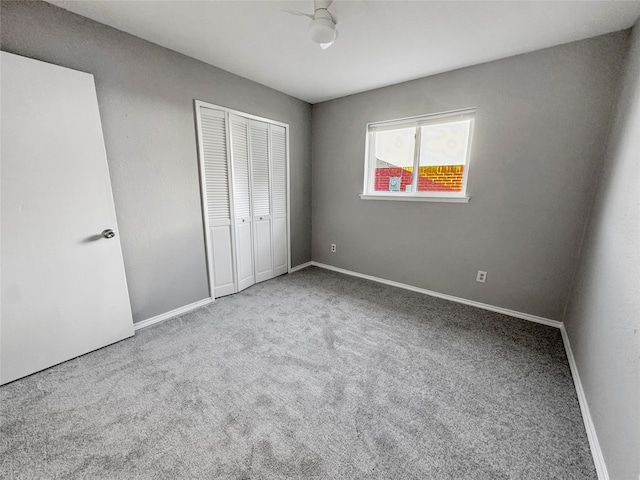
{"points": [[261, 199], [279, 198], [244, 262], [242, 200], [215, 162], [262, 246], [222, 260], [279, 246]]}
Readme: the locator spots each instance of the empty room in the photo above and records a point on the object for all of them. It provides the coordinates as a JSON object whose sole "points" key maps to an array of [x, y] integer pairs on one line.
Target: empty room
{"points": [[298, 239]]}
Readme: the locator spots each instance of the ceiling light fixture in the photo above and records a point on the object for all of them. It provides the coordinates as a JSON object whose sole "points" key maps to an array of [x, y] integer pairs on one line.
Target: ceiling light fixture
{"points": [[323, 29]]}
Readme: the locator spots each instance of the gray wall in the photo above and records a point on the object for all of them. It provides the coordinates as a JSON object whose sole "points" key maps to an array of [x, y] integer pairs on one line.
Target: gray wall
{"points": [[145, 94], [540, 130], [603, 318]]}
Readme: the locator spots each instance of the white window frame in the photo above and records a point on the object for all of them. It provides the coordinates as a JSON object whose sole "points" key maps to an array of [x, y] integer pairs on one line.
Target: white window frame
{"points": [[368, 192]]}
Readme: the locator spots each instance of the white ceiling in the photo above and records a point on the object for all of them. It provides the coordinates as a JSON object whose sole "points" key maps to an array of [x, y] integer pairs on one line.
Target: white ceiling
{"points": [[380, 42]]}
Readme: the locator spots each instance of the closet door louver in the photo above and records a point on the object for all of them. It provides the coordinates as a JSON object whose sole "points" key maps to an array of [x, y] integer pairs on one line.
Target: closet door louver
{"points": [[261, 199], [260, 168], [279, 198], [214, 146], [242, 200]]}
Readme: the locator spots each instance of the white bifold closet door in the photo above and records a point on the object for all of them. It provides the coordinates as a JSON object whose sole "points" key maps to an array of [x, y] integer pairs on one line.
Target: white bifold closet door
{"points": [[279, 199], [242, 201], [215, 159], [245, 187], [261, 199]]}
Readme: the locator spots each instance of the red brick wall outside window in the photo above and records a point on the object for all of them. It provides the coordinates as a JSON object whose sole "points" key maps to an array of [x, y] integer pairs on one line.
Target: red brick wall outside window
{"points": [[436, 178]]}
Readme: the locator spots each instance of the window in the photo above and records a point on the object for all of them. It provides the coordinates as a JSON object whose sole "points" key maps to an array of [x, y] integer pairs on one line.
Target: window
{"points": [[419, 158]]}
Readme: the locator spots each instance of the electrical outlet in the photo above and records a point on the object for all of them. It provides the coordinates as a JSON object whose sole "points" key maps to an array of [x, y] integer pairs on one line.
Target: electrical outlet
{"points": [[333, 247], [481, 276]]}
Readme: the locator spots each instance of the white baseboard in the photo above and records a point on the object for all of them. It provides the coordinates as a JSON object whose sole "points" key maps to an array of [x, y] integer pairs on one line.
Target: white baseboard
{"points": [[594, 444], [300, 267], [473, 303], [173, 313]]}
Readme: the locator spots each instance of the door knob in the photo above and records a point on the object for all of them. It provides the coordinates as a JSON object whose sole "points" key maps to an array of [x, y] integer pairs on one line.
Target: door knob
{"points": [[108, 233]]}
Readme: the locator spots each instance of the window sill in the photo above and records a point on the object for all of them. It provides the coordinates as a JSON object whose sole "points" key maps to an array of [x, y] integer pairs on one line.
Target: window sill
{"points": [[403, 198]]}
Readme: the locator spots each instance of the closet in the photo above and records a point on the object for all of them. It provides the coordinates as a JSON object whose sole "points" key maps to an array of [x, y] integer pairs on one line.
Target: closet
{"points": [[244, 179]]}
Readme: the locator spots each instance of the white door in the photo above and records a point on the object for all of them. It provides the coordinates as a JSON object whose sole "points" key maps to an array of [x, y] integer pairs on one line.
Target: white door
{"points": [[279, 198], [215, 164], [261, 199], [242, 200], [64, 290]]}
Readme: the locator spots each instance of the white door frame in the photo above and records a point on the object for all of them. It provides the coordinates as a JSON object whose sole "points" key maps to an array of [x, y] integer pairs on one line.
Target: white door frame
{"points": [[203, 188]]}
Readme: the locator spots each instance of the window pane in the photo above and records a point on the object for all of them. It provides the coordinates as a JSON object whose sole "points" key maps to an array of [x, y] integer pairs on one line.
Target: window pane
{"points": [[443, 155], [394, 153]]}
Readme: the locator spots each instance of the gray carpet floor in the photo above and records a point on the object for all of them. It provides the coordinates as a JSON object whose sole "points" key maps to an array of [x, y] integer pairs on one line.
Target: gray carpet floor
{"points": [[309, 375]]}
